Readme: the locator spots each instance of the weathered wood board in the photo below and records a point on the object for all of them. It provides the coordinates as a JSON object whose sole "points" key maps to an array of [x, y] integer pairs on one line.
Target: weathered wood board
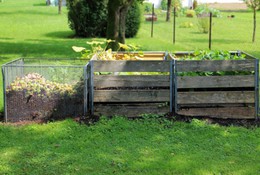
{"points": [[130, 109], [215, 65], [224, 112], [131, 66]]}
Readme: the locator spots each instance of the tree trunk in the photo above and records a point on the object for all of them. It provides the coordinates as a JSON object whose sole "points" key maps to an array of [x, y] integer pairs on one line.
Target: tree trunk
{"points": [[117, 11], [122, 20], [254, 27], [169, 9], [59, 4], [113, 24]]}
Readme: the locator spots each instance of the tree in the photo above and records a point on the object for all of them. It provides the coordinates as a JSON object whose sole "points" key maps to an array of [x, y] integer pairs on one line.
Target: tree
{"points": [[59, 6], [169, 9], [254, 5], [117, 11], [170, 4]]}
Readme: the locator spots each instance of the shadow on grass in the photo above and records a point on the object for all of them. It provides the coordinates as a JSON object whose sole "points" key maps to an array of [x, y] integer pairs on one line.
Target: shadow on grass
{"points": [[40, 48], [33, 12], [61, 34], [123, 147], [39, 4]]}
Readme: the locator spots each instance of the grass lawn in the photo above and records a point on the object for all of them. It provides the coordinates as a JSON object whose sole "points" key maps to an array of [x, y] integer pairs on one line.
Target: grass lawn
{"points": [[120, 146]]}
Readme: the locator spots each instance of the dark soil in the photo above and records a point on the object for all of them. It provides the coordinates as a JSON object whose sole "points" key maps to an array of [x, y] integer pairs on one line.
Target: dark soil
{"points": [[248, 123], [36, 107]]}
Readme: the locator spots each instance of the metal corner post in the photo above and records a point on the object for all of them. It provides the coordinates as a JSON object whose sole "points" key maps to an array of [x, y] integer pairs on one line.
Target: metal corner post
{"points": [[256, 88], [175, 87], [4, 94], [91, 87], [85, 74], [171, 86]]}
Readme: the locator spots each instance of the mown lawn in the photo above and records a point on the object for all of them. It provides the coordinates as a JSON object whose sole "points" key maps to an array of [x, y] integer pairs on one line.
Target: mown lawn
{"points": [[120, 146]]}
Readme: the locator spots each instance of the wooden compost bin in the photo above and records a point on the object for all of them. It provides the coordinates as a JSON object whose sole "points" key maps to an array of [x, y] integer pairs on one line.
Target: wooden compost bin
{"points": [[130, 94], [229, 96]]}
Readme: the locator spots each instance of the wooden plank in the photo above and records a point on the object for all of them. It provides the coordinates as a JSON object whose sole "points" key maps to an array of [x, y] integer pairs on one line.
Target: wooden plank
{"points": [[103, 81], [131, 66], [130, 110], [215, 97], [216, 81], [215, 65], [223, 113], [132, 96]]}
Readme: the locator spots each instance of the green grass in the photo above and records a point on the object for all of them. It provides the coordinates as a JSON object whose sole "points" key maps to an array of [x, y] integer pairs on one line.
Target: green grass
{"points": [[120, 146]]}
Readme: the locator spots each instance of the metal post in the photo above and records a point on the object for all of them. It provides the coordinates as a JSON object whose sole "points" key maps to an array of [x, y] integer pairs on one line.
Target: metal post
{"points": [[152, 21], [85, 73], [171, 86], [210, 29], [174, 24], [91, 87], [165, 55], [256, 88], [4, 94], [175, 87]]}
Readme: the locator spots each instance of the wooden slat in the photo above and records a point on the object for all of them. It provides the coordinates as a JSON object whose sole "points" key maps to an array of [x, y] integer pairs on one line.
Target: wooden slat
{"points": [[223, 113], [215, 97], [102, 81], [132, 96], [131, 66], [130, 110], [215, 65], [216, 81]]}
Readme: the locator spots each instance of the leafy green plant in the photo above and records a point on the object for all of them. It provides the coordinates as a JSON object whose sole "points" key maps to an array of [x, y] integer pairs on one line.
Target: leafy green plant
{"points": [[98, 48], [147, 7], [190, 13], [186, 25], [164, 4], [204, 9], [203, 24], [36, 84], [213, 55]]}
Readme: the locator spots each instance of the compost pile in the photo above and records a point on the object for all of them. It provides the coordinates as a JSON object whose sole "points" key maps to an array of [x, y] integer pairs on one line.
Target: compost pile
{"points": [[33, 97]]}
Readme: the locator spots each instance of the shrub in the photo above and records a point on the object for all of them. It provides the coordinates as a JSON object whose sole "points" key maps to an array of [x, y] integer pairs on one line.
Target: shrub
{"points": [[186, 25], [88, 18], [202, 9], [190, 13], [147, 7], [164, 4], [203, 24], [133, 20]]}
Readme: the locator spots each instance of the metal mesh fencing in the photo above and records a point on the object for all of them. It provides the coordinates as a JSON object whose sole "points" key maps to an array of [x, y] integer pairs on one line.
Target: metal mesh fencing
{"points": [[43, 89]]}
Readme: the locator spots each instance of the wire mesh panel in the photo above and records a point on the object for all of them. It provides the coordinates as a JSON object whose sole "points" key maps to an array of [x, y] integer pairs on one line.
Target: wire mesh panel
{"points": [[43, 89]]}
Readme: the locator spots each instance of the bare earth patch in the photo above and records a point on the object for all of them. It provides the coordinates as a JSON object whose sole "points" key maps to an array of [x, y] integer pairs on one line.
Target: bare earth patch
{"points": [[228, 6]]}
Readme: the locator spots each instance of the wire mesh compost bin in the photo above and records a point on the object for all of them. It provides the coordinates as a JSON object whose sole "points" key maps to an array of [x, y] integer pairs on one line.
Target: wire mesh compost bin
{"points": [[43, 89]]}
